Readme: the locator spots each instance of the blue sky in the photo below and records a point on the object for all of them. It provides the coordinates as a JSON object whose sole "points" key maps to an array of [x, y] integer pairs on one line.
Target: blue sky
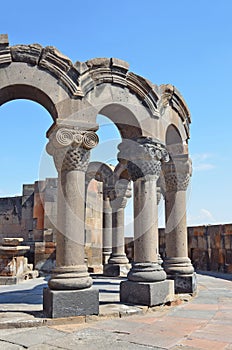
{"points": [[184, 43]]}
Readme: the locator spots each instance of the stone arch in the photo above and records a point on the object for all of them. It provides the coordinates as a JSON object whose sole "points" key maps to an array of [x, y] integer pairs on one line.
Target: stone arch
{"points": [[40, 74], [28, 92], [173, 140], [129, 100], [100, 172], [174, 111], [124, 120], [144, 113]]}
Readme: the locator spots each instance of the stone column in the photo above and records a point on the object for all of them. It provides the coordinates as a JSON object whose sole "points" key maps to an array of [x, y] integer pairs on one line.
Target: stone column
{"points": [[146, 280], [158, 197], [177, 264], [69, 291], [107, 226], [118, 264]]}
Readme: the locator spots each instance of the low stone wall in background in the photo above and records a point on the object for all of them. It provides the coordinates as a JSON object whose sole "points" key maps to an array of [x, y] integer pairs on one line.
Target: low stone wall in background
{"points": [[209, 247]]}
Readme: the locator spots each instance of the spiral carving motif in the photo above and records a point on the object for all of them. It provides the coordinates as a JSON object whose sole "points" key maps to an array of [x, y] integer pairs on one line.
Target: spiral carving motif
{"points": [[70, 148], [64, 137], [90, 140]]}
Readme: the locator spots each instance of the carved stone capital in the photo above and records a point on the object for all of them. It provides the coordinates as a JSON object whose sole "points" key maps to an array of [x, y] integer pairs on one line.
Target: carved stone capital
{"points": [[71, 147], [143, 157], [108, 192], [177, 173], [122, 191]]}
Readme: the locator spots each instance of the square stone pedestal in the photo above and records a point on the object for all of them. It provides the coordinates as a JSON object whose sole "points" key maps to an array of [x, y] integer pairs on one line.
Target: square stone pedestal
{"points": [[63, 303], [116, 270], [150, 294], [184, 284]]}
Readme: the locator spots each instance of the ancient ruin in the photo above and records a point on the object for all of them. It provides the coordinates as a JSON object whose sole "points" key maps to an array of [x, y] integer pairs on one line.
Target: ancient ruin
{"points": [[14, 265], [154, 125]]}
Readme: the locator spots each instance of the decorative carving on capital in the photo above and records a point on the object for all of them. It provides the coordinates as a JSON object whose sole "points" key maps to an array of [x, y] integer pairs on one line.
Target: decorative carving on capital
{"points": [[177, 173], [143, 156], [120, 194], [70, 148], [177, 182], [66, 137], [108, 192]]}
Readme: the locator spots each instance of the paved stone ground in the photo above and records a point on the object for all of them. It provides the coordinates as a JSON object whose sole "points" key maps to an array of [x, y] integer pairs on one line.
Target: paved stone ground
{"points": [[204, 322]]}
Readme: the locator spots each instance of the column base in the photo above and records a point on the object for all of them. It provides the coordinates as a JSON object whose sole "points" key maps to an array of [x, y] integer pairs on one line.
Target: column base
{"points": [[60, 303], [105, 258], [150, 294], [118, 259], [70, 278], [178, 266], [184, 283], [146, 272], [116, 270]]}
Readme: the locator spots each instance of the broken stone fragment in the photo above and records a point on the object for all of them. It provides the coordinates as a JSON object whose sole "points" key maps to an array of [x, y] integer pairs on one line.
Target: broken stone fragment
{"points": [[12, 242]]}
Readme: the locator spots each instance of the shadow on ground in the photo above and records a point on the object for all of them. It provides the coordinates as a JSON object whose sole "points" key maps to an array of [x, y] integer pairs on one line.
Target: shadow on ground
{"points": [[216, 274]]}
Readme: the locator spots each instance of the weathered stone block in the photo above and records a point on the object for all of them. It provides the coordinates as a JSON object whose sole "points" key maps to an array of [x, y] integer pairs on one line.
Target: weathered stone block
{"points": [[202, 242], [215, 232], [115, 270], [227, 241], [198, 231], [215, 266], [4, 41], [149, 294], [229, 257], [200, 259], [63, 303], [228, 268], [184, 284]]}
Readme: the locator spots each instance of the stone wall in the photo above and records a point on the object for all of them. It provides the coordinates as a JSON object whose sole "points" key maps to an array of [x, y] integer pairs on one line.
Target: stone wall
{"points": [[16, 215], [33, 216], [209, 247], [26, 216], [10, 217]]}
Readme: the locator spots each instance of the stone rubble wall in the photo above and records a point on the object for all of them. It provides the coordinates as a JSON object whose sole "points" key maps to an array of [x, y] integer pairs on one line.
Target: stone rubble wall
{"points": [[33, 217], [209, 247]]}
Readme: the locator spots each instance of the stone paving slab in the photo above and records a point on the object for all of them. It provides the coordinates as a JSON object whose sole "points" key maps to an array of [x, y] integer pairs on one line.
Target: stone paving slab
{"points": [[33, 336], [204, 322]]}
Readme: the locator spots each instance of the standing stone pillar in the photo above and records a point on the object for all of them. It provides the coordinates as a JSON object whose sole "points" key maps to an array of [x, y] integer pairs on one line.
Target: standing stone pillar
{"points": [[69, 291], [118, 264], [158, 197], [107, 226], [147, 284], [177, 264]]}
